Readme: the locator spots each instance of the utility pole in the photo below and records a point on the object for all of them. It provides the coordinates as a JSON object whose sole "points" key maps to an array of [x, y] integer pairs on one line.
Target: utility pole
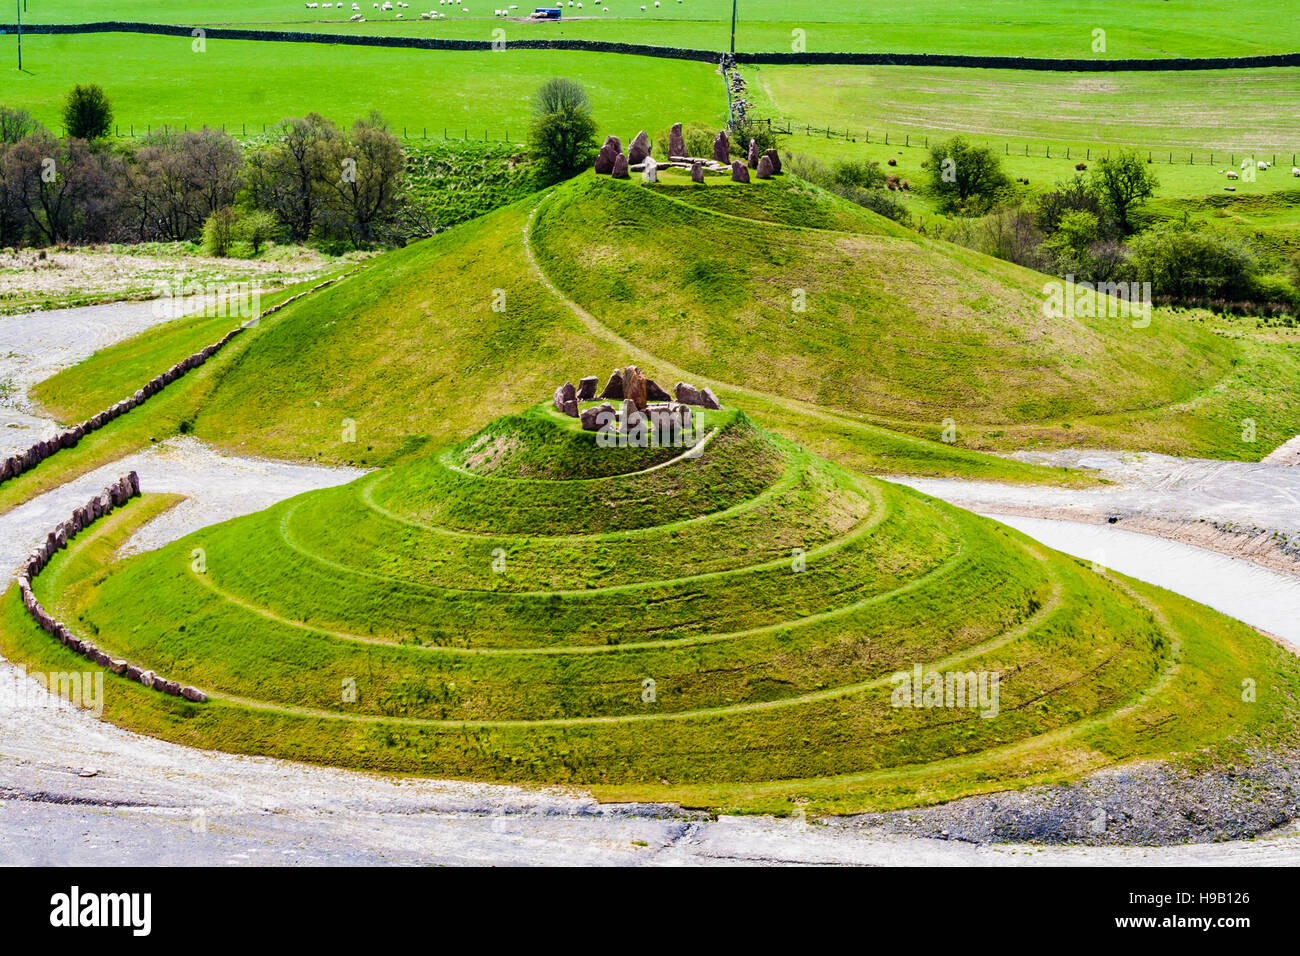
{"points": [[20, 35], [733, 26]]}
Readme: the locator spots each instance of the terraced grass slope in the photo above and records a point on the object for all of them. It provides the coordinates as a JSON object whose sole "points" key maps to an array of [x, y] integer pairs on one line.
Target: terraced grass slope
{"points": [[720, 627]]}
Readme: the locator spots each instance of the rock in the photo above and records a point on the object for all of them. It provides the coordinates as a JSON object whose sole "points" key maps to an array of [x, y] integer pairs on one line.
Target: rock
{"points": [[132, 672], [690, 395], [739, 172], [598, 418], [708, 399], [632, 420], [639, 150], [676, 142], [620, 167], [753, 154], [614, 387], [566, 400], [722, 148], [651, 172], [171, 687], [147, 678], [118, 666], [655, 393], [697, 172], [587, 388], [611, 149], [775, 160], [194, 694], [634, 389], [764, 168]]}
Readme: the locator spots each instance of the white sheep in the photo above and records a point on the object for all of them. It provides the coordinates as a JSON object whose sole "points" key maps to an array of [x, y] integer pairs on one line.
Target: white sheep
{"points": [[1261, 165], [1295, 170], [1232, 174]]}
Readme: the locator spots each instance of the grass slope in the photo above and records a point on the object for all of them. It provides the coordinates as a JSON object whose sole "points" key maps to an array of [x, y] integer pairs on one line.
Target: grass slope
{"points": [[499, 616]]}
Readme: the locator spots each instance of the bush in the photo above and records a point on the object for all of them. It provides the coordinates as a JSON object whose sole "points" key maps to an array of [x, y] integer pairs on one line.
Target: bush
{"points": [[16, 124], [863, 175], [1193, 263], [965, 178], [87, 114], [741, 131], [563, 133], [1124, 182], [219, 233], [1078, 194], [843, 180]]}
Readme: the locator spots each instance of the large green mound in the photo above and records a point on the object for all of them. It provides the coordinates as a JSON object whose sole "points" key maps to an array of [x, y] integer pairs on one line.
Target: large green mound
{"points": [[717, 624], [898, 334]]}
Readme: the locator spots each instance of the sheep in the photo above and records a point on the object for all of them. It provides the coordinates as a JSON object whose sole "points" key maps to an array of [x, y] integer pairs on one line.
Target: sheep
{"points": [[1232, 174], [1295, 170], [1261, 165]]}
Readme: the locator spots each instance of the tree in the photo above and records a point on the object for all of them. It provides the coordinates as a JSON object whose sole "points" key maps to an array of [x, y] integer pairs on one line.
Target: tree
{"points": [[1191, 262], [219, 232], [1125, 181], [15, 124], [368, 170], [963, 176], [290, 178], [63, 190], [563, 133], [257, 228], [1077, 194], [87, 114]]}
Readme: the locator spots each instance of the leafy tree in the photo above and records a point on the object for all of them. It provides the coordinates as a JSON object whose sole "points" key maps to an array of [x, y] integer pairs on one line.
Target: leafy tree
{"points": [[368, 172], [219, 232], [1125, 181], [63, 190], [257, 228], [964, 176], [87, 114], [1078, 194], [290, 178], [563, 133], [1190, 262]]}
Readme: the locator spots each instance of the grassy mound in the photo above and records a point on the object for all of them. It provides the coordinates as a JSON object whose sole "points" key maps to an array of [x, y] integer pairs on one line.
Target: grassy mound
{"points": [[721, 627]]}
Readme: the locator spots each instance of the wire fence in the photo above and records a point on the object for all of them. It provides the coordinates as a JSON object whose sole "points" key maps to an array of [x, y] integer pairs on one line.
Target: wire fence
{"points": [[245, 130], [1179, 157]]}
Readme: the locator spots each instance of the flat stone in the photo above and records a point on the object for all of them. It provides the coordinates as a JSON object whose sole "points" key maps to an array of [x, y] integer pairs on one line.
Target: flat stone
{"points": [[599, 417], [194, 694]]}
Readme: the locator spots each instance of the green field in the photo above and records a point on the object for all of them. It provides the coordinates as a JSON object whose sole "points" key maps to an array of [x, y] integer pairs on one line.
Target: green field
{"points": [[1049, 28], [720, 630], [154, 81]]}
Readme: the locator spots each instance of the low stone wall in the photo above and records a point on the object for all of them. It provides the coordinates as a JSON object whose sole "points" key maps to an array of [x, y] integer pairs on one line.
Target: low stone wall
{"points": [[24, 461], [114, 496]]}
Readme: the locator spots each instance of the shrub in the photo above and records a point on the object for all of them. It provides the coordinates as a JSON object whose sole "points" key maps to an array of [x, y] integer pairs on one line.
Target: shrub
{"points": [[741, 131], [219, 232], [563, 133], [1192, 263], [1077, 194], [87, 114], [863, 175], [1124, 182], [16, 124]]}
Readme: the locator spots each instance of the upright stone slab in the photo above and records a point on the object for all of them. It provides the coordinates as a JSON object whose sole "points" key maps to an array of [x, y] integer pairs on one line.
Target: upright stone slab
{"points": [[708, 399], [676, 143], [686, 394], [775, 159], [620, 167], [651, 172], [614, 387], [753, 154], [611, 149], [697, 172], [634, 386], [587, 388], [601, 417], [639, 151], [655, 392], [721, 148], [764, 168], [739, 172], [566, 400]]}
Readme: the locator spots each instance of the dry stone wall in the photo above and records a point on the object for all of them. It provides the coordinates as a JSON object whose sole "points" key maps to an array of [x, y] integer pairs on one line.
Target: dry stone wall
{"points": [[114, 496]]}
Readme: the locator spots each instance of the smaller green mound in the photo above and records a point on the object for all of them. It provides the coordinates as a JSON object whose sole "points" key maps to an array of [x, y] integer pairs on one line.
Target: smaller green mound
{"points": [[785, 200]]}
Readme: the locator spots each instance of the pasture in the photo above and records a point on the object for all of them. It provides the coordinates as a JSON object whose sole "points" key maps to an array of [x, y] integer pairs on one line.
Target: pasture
{"points": [[1050, 28]]}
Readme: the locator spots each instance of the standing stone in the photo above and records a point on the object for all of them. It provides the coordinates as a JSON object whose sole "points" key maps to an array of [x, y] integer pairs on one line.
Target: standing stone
{"points": [[639, 151], [697, 172], [634, 424], [722, 148], [753, 154], [614, 387], [655, 393], [651, 172], [676, 142], [764, 168], [775, 159], [686, 394], [566, 399], [634, 386], [587, 388], [620, 167], [708, 399], [608, 152], [739, 172]]}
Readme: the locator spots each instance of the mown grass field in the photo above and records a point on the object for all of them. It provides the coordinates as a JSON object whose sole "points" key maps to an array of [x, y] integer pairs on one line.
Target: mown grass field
{"points": [[471, 615], [1051, 28], [154, 81]]}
